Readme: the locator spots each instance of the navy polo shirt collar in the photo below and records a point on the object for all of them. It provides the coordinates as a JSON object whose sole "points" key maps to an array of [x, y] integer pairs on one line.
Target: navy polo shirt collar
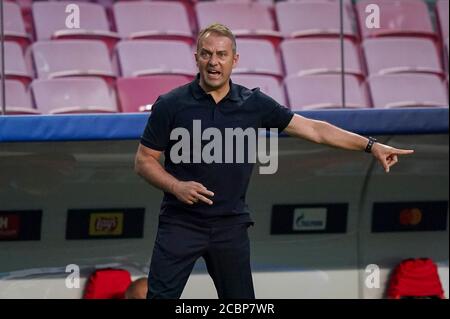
{"points": [[199, 93]]}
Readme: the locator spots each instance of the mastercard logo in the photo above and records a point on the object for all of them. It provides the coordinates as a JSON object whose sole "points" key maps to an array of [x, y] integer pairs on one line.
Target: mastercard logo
{"points": [[410, 217]]}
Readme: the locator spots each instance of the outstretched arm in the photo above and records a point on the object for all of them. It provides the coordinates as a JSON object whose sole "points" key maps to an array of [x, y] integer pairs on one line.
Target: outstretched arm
{"points": [[325, 133]]}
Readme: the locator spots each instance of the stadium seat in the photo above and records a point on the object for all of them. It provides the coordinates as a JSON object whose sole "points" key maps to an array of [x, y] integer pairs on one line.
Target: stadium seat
{"points": [[152, 20], [442, 7], [324, 92], [407, 90], [50, 22], [107, 283], [69, 58], [257, 57], [73, 95], [415, 278], [25, 8], [402, 54], [17, 99], [305, 56], [268, 85], [246, 20], [397, 18], [14, 28], [15, 67], [147, 57], [305, 19], [138, 94]]}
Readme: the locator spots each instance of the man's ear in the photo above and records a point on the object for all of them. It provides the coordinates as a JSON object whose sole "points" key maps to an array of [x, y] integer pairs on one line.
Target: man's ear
{"points": [[235, 60], [196, 58]]}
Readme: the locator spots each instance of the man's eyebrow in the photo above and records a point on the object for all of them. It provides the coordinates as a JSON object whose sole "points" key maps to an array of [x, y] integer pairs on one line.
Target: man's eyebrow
{"points": [[205, 50]]}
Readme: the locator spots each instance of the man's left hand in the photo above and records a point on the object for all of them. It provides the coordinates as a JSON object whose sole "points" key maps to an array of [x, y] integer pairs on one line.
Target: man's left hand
{"points": [[387, 155]]}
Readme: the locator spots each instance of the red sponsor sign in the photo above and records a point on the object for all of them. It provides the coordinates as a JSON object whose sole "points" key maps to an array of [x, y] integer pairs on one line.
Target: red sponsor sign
{"points": [[9, 226], [410, 217]]}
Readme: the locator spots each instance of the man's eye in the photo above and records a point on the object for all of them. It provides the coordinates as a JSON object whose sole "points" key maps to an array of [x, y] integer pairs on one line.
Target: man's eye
{"points": [[205, 55]]}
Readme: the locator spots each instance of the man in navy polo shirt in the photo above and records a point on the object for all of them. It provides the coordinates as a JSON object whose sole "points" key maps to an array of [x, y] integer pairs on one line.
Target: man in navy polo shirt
{"points": [[203, 212]]}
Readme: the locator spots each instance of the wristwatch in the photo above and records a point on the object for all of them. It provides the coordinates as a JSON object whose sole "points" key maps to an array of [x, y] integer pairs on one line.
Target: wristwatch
{"points": [[370, 144]]}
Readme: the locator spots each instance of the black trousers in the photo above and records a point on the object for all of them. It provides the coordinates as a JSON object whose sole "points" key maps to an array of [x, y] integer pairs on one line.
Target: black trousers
{"points": [[226, 251]]}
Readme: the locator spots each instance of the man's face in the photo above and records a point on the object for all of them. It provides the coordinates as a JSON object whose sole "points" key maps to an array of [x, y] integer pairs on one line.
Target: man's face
{"points": [[215, 60]]}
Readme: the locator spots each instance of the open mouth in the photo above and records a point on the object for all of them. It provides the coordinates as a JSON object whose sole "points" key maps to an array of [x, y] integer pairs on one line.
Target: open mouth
{"points": [[213, 73]]}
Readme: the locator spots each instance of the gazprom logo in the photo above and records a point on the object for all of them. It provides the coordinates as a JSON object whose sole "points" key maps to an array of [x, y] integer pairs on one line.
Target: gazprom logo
{"points": [[310, 218]]}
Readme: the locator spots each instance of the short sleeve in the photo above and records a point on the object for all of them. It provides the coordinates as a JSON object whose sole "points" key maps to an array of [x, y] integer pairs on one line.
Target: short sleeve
{"points": [[273, 114], [157, 132]]}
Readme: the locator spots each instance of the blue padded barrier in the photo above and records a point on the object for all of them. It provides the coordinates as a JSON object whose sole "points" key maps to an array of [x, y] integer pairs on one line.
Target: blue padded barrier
{"points": [[81, 127]]}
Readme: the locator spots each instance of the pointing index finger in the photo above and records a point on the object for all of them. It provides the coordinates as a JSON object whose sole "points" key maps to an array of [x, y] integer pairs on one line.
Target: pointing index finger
{"points": [[403, 152]]}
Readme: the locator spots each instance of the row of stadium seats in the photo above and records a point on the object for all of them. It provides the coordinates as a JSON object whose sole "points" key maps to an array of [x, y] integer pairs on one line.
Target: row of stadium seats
{"points": [[137, 94], [289, 19], [259, 66], [301, 72], [297, 57]]}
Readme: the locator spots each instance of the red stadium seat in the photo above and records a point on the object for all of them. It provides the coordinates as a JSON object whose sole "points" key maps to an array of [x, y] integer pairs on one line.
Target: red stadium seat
{"points": [[408, 90], [152, 20], [249, 20], [15, 67], [402, 54], [14, 28], [313, 18], [17, 99], [50, 22], [25, 8], [324, 92], [397, 17], [442, 7], [415, 278], [257, 57], [305, 56], [69, 58], [149, 57], [73, 95], [268, 85], [139, 94], [107, 283]]}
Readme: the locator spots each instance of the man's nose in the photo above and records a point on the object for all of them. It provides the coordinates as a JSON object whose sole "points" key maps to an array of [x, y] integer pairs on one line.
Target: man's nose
{"points": [[213, 60]]}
